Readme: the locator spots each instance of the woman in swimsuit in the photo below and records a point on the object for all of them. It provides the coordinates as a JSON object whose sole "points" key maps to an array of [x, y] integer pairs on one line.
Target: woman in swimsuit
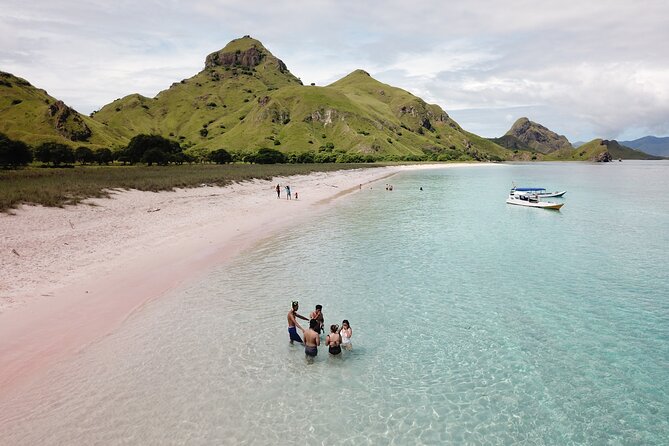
{"points": [[333, 340], [346, 332]]}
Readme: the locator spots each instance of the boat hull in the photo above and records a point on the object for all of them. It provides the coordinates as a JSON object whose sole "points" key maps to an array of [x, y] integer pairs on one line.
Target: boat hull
{"points": [[536, 204]]}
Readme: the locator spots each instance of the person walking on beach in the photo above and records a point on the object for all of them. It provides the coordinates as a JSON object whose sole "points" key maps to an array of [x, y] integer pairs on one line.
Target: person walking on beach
{"points": [[278, 191], [311, 339], [288, 197], [292, 322], [317, 314], [333, 340], [346, 332]]}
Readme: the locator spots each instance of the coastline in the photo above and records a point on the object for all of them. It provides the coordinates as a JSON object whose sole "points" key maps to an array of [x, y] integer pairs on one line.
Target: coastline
{"points": [[69, 276]]}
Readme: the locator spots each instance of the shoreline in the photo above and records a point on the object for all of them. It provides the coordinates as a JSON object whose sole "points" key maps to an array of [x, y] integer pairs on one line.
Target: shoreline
{"points": [[71, 275]]}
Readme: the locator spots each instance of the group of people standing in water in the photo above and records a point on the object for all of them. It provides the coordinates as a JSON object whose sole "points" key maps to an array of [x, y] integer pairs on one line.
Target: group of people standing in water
{"points": [[338, 338]]}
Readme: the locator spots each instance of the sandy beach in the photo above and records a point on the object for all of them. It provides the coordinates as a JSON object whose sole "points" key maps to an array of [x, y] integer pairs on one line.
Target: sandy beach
{"points": [[68, 276]]}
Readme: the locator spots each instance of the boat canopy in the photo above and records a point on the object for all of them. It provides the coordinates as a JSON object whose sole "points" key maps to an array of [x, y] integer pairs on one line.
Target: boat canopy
{"points": [[528, 189]]}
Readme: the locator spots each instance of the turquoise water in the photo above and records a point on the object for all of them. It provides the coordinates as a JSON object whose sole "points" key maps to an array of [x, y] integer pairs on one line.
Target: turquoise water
{"points": [[473, 322]]}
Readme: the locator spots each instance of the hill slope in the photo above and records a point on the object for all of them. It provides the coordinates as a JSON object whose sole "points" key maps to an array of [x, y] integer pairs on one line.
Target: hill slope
{"points": [[29, 114], [245, 98]]}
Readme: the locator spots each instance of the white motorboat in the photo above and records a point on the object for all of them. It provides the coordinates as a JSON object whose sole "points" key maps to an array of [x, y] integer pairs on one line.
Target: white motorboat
{"points": [[532, 200], [538, 191]]}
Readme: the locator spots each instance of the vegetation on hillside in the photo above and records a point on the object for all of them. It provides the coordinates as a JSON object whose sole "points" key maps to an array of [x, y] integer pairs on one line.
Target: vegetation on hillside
{"points": [[245, 100], [596, 149], [30, 115]]}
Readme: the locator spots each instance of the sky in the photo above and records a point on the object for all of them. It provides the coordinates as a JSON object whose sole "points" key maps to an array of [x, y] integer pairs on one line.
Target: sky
{"points": [[584, 69]]}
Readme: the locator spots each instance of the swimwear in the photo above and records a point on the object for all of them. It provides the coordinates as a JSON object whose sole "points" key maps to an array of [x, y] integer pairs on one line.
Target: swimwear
{"points": [[311, 351], [292, 332], [335, 350]]}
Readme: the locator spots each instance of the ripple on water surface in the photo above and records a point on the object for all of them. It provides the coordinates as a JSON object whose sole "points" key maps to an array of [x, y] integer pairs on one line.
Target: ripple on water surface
{"points": [[474, 322]]}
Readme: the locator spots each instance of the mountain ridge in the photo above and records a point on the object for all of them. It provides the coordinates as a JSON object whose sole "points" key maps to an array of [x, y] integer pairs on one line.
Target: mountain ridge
{"points": [[653, 145], [245, 98]]}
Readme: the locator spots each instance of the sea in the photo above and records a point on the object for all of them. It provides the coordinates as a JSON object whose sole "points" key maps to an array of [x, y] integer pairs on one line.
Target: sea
{"points": [[474, 322]]}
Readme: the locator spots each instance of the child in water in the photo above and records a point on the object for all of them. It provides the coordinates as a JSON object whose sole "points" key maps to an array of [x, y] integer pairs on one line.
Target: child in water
{"points": [[346, 332]]}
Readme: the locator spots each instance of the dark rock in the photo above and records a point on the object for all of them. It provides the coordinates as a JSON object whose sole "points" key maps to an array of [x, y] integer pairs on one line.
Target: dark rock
{"points": [[604, 157], [68, 122]]}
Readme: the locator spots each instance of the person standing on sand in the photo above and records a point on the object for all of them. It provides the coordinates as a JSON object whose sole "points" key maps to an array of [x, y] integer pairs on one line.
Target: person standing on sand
{"points": [[317, 314], [292, 322], [288, 197], [333, 340], [311, 339], [278, 191]]}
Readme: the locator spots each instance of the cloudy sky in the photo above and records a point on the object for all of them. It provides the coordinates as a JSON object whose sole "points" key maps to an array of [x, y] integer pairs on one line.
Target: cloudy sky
{"points": [[585, 69]]}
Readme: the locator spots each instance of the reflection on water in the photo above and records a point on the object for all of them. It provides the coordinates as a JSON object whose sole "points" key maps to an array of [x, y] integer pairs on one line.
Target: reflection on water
{"points": [[473, 321]]}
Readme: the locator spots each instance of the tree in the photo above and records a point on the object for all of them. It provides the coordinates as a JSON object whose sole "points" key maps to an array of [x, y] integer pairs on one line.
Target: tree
{"points": [[84, 155], [13, 153], [269, 156], [55, 153], [305, 157], [104, 156], [220, 156], [155, 155], [140, 144], [121, 156]]}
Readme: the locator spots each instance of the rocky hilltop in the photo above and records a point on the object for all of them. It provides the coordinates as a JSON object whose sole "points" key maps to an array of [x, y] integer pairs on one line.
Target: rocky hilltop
{"points": [[525, 134], [245, 98]]}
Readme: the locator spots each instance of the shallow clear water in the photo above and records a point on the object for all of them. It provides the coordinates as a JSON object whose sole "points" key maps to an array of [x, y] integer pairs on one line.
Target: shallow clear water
{"points": [[473, 322]]}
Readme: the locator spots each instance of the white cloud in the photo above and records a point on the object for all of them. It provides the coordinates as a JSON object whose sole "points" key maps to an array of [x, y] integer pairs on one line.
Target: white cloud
{"points": [[602, 67]]}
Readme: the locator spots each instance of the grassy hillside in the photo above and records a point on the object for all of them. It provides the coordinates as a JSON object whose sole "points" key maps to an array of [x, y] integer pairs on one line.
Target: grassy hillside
{"points": [[592, 150], [245, 99], [29, 114]]}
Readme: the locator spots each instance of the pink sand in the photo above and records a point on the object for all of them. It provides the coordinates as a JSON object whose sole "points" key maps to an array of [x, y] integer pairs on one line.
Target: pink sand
{"points": [[70, 276]]}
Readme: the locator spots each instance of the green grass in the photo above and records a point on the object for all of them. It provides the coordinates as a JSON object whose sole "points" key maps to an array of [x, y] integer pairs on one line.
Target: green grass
{"points": [[59, 187]]}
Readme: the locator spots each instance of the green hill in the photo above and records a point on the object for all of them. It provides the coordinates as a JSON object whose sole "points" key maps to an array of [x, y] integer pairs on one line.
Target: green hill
{"points": [[29, 114], [245, 98], [603, 150]]}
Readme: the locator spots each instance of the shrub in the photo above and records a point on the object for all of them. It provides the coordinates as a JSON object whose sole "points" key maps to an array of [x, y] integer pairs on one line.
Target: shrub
{"points": [[277, 142], [204, 132], [325, 157], [13, 153]]}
